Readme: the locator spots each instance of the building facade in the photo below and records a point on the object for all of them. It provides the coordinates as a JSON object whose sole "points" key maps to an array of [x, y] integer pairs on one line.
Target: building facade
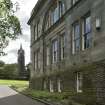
{"points": [[68, 47]]}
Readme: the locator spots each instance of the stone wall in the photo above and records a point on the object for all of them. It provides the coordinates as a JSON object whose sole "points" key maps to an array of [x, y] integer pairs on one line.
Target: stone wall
{"points": [[90, 61]]}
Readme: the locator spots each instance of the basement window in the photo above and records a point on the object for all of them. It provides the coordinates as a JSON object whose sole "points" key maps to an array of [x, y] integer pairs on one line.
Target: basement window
{"points": [[51, 86], [79, 82], [59, 85], [45, 84]]}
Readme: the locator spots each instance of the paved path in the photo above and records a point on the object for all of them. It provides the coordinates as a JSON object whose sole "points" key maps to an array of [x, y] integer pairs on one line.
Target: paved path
{"points": [[11, 97]]}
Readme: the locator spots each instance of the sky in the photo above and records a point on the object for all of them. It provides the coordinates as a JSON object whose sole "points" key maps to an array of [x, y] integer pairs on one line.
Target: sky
{"points": [[25, 8]]}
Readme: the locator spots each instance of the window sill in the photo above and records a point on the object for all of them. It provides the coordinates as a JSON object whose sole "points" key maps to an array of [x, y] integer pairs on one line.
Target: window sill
{"points": [[86, 49], [82, 51]]}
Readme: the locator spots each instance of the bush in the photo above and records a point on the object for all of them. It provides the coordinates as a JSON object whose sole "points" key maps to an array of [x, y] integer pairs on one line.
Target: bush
{"points": [[86, 99]]}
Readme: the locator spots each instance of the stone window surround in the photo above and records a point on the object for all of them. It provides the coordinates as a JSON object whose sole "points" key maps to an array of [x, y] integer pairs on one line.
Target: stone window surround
{"points": [[51, 86], [86, 31], [37, 60], [48, 55], [60, 10], [55, 51], [62, 45], [37, 30], [79, 81], [56, 38], [82, 41], [59, 85], [75, 38], [44, 84]]}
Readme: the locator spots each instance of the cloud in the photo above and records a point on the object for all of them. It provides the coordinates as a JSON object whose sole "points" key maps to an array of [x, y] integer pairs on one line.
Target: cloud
{"points": [[13, 51], [26, 38], [11, 58], [24, 23], [23, 14]]}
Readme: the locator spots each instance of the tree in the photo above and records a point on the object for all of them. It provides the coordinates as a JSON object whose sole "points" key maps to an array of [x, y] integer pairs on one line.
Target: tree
{"points": [[9, 24], [9, 71], [2, 63], [28, 68]]}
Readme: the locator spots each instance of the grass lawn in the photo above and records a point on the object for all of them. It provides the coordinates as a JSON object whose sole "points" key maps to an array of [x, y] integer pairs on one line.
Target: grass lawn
{"points": [[43, 95], [23, 87], [65, 97], [20, 85], [14, 83]]}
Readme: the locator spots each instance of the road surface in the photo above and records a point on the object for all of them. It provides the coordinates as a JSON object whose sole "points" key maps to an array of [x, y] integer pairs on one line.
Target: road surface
{"points": [[11, 97]]}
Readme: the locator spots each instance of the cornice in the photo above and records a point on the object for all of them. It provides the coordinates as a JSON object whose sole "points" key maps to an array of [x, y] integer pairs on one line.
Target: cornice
{"points": [[36, 9]]}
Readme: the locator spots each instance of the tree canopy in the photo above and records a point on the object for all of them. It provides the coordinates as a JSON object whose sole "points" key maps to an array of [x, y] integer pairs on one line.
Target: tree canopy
{"points": [[2, 63], [9, 24]]}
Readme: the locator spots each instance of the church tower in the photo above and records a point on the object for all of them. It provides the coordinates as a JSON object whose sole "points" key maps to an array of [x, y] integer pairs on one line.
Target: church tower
{"points": [[21, 62]]}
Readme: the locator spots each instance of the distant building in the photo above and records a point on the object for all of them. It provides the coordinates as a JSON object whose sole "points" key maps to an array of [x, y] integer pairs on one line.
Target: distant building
{"points": [[68, 48], [21, 63]]}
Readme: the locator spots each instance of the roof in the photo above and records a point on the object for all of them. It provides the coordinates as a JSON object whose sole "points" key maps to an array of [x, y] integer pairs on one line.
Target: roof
{"points": [[35, 10]]}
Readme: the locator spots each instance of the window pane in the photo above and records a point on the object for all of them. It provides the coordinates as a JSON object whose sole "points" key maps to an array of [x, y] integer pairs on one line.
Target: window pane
{"points": [[88, 25], [61, 8], [56, 15], [87, 40], [59, 85], [48, 56], [54, 51], [62, 46], [52, 18], [79, 82], [77, 31], [39, 27], [51, 86], [55, 45], [38, 61], [74, 2], [76, 37], [87, 32], [77, 45]]}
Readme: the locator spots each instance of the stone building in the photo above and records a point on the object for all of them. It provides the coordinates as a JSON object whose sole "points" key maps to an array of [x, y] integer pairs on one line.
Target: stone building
{"points": [[21, 63], [68, 47]]}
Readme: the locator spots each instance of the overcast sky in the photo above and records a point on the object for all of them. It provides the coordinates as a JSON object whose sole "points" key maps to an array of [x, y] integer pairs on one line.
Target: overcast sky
{"points": [[25, 8]]}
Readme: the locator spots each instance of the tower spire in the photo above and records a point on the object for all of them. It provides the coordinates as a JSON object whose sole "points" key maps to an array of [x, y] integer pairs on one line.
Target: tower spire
{"points": [[21, 62], [21, 46]]}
